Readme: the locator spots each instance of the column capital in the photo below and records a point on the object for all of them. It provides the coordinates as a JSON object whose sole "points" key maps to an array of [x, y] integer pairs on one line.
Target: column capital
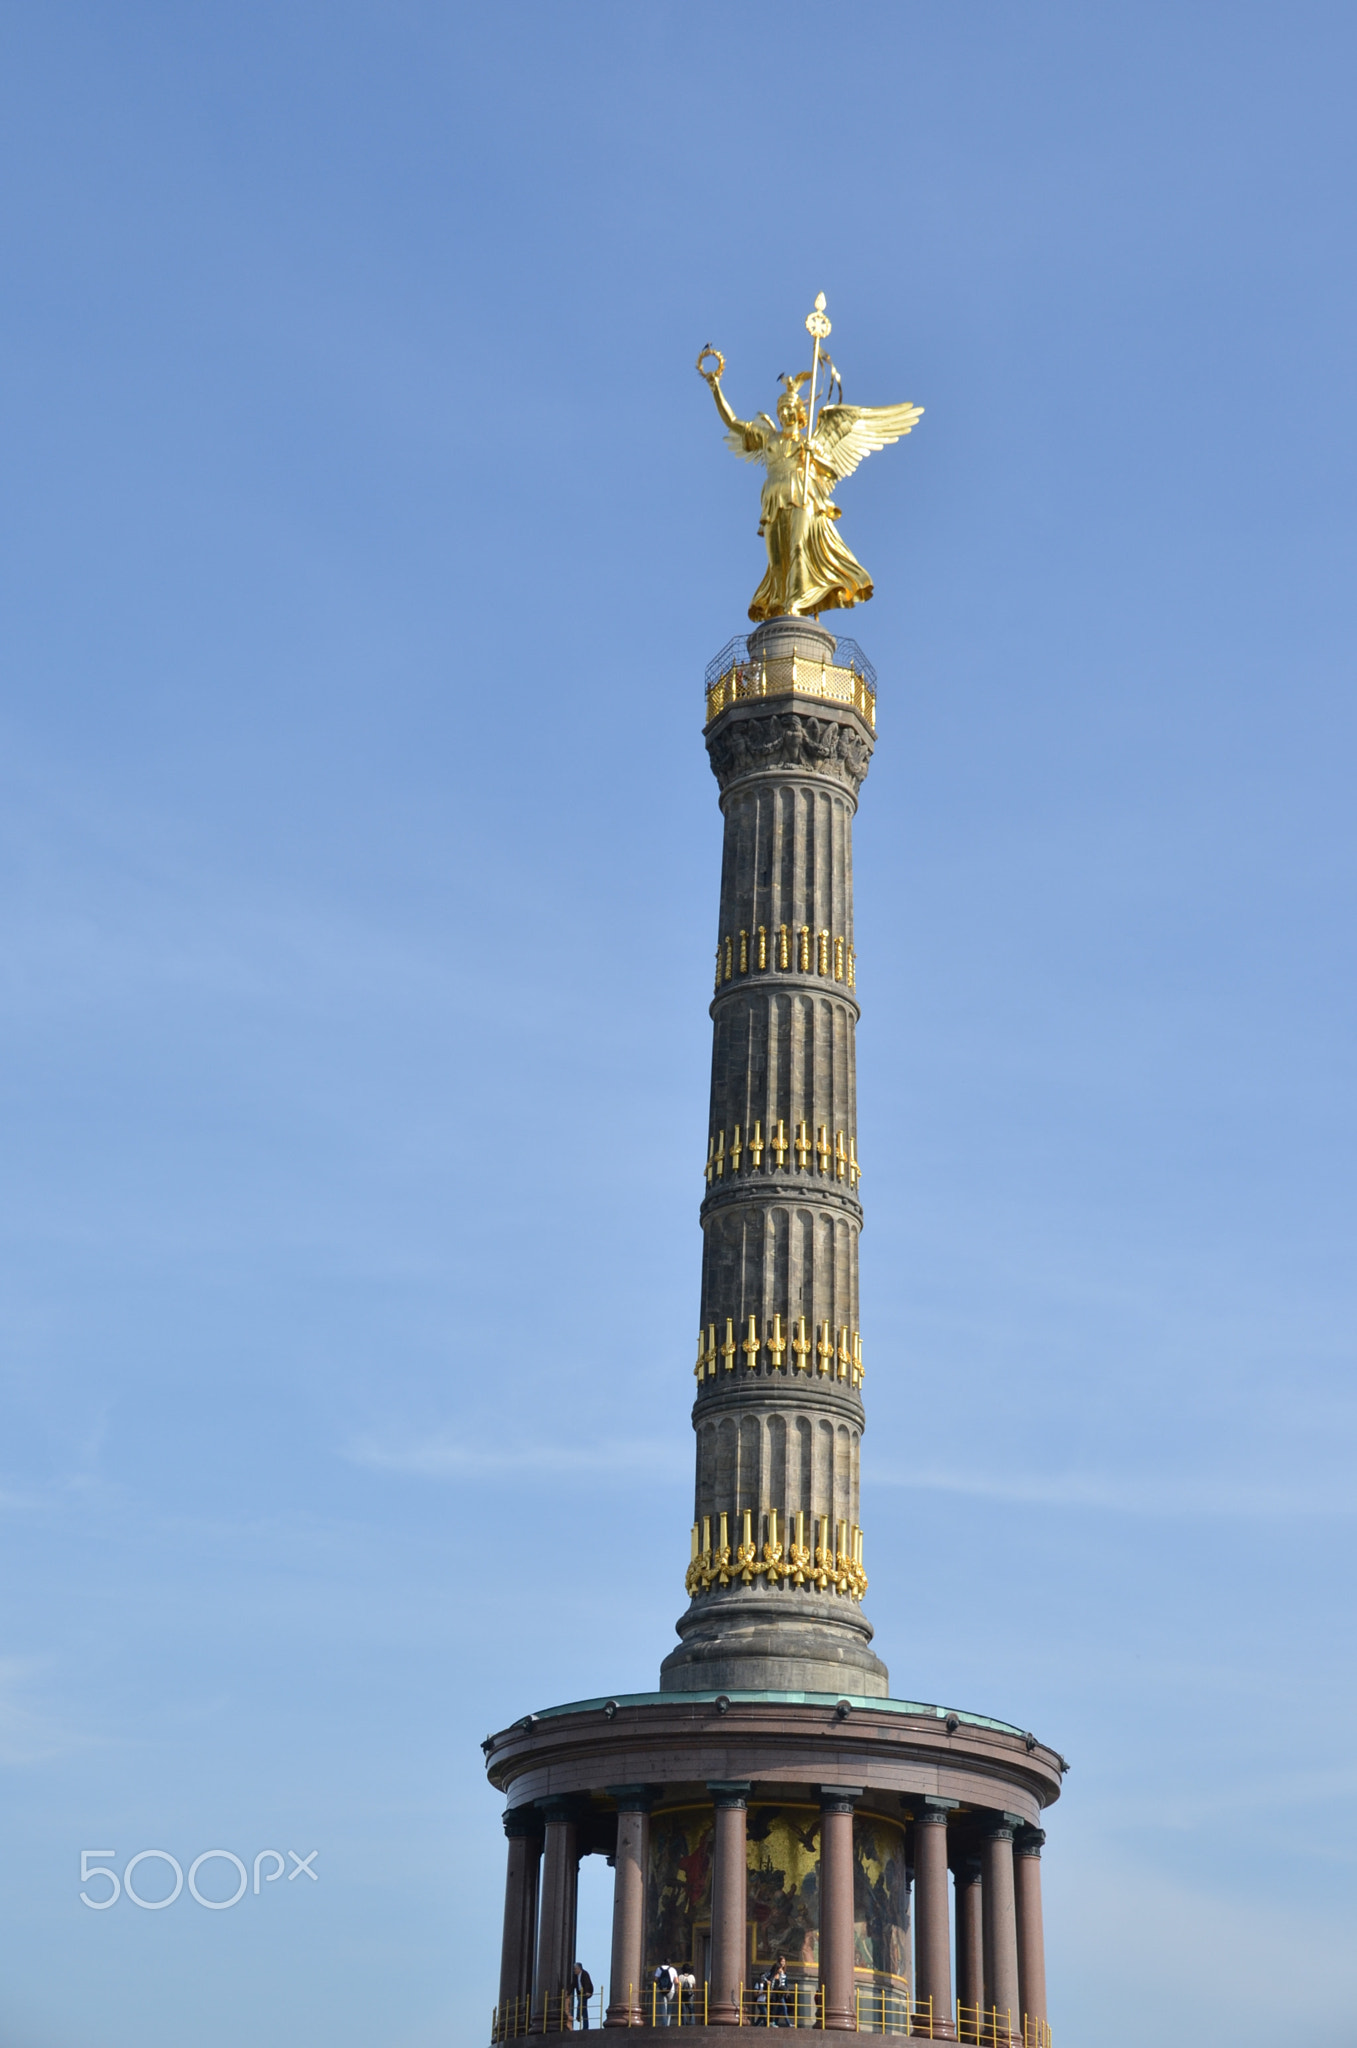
{"points": [[935, 1810], [839, 1798], [634, 1798], [729, 1791], [568, 1808], [999, 1827], [1029, 1841], [521, 1821]]}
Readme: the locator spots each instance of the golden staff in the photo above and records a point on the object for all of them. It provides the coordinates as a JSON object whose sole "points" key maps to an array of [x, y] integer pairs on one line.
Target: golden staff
{"points": [[819, 328]]}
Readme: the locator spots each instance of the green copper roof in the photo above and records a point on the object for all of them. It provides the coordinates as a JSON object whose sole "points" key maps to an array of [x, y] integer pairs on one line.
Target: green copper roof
{"points": [[798, 1699]]}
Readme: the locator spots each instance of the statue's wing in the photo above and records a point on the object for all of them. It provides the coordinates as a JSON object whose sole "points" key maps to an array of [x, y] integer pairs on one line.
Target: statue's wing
{"points": [[749, 438], [846, 434]]}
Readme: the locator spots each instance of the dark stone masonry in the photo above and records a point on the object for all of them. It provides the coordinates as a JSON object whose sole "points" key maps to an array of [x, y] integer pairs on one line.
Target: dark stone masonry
{"points": [[782, 1832], [779, 1429]]}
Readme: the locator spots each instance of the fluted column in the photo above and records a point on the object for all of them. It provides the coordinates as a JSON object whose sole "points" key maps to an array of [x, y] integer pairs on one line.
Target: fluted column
{"points": [[728, 1904], [556, 1935], [1031, 1945], [629, 1903], [779, 1367], [836, 1905], [1000, 1922], [524, 1832], [932, 1935]]}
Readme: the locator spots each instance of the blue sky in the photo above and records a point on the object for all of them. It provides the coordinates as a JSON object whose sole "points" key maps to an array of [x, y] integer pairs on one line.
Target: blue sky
{"points": [[365, 534]]}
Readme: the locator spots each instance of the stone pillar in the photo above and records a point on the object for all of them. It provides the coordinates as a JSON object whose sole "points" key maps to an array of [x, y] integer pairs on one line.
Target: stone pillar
{"points": [[932, 1936], [781, 1357], [524, 1830], [556, 1933], [1000, 1922], [729, 1944], [1031, 1946], [837, 1867], [970, 1941], [629, 1903]]}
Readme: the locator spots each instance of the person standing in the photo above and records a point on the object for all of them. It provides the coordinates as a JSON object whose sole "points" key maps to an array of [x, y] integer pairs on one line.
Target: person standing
{"points": [[687, 1998], [777, 1985], [581, 1991], [666, 1983]]}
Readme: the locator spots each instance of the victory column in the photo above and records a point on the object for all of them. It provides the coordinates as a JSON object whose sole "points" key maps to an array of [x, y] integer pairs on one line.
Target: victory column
{"points": [[771, 1801]]}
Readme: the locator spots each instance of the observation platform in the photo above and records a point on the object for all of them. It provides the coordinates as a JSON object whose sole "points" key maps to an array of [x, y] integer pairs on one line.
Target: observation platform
{"points": [[734, 675], [753, 1826]]}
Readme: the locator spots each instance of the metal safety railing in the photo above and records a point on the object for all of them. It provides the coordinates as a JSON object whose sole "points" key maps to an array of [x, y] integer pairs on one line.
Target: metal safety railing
{"points": [[989, 2026], [561, 2013], [877, 2009], [795, 2004], [842, 681], [847, 654], [889, 2009], [687, 2006]]}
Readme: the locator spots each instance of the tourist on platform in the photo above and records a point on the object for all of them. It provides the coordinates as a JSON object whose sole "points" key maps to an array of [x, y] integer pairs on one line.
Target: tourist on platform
{"points": [[666, 1984], [781, 2012], [581, 1991], [687, 1998]]}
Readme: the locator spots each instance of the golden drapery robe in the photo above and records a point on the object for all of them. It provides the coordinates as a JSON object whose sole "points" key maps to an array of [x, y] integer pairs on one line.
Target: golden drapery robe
{"points": [[809, 568]]}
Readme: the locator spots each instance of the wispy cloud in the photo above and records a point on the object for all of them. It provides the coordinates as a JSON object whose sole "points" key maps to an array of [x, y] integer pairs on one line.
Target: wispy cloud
{"points": [[446, 1457], [1131, 1493]]}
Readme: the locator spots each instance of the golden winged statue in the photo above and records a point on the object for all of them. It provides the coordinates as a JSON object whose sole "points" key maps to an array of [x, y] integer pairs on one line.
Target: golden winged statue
{"points": [[809, 568]]}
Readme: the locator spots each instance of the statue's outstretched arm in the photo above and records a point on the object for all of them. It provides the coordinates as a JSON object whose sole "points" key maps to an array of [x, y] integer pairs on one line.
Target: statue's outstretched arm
{"points": [[747, 437], [723, 404]]}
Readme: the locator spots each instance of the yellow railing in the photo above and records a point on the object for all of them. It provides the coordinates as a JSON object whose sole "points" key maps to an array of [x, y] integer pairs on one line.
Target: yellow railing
{"points": [[987, 2026], [889, 2009], [792, 674], [683, 2007], [559, 2014], [764, 2005], [877, 2009]]}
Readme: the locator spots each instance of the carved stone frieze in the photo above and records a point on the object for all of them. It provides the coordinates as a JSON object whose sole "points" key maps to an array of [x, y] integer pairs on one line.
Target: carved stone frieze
{"points": [[791, 740]]}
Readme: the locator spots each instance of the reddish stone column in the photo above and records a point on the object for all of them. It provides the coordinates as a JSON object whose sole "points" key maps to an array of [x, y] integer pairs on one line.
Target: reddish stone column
{"points": [[729, 1944], [1031, 1945], [629, 1903], [556, 1933], [970, 1943], [524, 1830], [932, 1936], [1001, 1925], [837, 1867]]}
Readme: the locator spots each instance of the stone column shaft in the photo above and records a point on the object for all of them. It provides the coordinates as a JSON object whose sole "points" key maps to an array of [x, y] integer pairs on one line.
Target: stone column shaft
{"points": [[932, 1935], [629, 1907], [970, 1940], [836, 1908], [556, 1936], [1001, 1927], [1031, 1945], [520, 1908], [779, 1413], [728, 1905]]}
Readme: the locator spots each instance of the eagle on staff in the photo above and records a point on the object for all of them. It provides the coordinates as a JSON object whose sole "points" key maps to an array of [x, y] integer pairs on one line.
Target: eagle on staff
{"points": [[809, 568]]}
